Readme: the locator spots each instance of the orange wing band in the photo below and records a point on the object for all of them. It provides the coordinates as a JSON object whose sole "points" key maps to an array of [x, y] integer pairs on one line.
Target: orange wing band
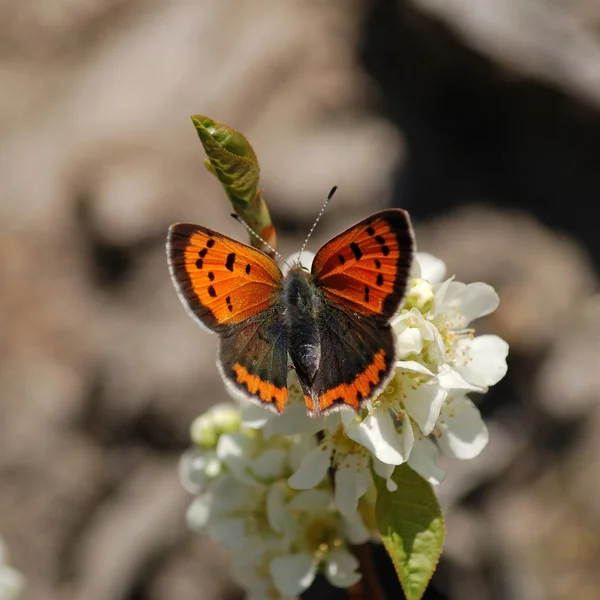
{"points": [[362, 386], [266, 391]]}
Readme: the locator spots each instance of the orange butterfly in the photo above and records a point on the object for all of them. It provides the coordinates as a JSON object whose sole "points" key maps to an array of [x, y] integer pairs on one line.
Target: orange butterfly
{"points": [[333, 322]]}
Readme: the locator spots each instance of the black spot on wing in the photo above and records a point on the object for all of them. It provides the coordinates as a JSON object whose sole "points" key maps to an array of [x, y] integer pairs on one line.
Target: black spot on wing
{"points": [[341, 259], [230, 261], [211, 276], [248, 269], [379, 279], [367, 293], [202, 253], [211, 291], [210, 243], [370, 230], [356, 250], [199, 263]]}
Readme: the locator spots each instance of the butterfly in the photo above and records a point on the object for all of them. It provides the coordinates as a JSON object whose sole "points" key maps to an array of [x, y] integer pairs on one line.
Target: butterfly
{"points": [[332, 322]]}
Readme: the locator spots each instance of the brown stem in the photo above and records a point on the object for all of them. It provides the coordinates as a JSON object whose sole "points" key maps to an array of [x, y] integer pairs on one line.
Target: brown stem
{"points": [[368, 588]]}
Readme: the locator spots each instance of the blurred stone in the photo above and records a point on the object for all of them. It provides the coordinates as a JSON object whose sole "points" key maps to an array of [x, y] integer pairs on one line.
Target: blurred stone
{"points": [[197, 568], [568, 381], [558, 41], [129, 531], [541, 276]]}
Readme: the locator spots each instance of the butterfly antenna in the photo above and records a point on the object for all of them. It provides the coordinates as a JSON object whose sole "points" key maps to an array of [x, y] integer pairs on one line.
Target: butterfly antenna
{"points": [[329, 197], [255, 235]]}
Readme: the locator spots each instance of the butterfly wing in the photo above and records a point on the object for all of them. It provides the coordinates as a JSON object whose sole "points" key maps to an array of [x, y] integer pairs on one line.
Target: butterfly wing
{"points": [[234, 290], [253, 359], [356, 361], [221, 281], [367, 267], [362, 275]]}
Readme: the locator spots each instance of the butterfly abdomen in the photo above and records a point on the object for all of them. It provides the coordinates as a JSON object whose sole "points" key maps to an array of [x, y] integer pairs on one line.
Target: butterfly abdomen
{"points": [[302, 300]]}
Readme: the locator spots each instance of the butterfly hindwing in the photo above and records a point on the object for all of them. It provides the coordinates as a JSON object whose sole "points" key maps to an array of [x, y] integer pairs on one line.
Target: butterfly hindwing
{"points": [[357, 354], [367, 267], [253, 359], [221, 281]]}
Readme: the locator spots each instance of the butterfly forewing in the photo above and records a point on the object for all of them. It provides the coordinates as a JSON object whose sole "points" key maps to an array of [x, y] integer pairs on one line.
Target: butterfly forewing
{"points": [[367, 267], [220, 280]]}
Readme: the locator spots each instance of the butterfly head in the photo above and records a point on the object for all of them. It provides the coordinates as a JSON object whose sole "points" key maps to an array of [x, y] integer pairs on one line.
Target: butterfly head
{"points": [[301, 261]]}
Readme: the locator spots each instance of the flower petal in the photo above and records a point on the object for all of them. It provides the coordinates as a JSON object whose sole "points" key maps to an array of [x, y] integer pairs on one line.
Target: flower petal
{"points": [[12, 583], [198, 512], [295, 420], [313, 468], [386, 472], [293, 574], [486, 359], [423, 460], [408, 341], [276, 510], [431, 268], [461, 431], [355, 529], [451, 379], [378, 434], [230, 495], [191, 471], [298, 451], [465, 303], [341, 569], [233, 449], [255, 417], [423, 404], [231, 532], [351, 482], [270, 464], [412, 366]]}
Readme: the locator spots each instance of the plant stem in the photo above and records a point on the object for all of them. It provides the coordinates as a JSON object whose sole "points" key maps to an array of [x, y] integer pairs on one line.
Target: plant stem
{"points": [[369, 587]]}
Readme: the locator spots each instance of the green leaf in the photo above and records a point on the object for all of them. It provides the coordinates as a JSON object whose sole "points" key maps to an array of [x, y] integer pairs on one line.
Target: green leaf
{"points": [[411, 525], [233, 161]]}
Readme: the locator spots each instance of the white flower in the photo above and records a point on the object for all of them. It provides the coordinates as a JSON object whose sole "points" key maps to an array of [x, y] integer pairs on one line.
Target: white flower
{"points": [[439, 361], [318, 533], [279, 538], [12, 582], [429, 267], [351, 464], [460, 431], [480, 361], [287, 494]]}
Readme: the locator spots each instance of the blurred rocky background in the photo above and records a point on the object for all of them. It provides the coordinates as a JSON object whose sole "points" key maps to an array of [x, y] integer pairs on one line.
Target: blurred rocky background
{"points": [[480, 117]]}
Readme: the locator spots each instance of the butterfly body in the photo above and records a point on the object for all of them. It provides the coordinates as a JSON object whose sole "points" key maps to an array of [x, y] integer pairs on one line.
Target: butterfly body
{"points": [[332, 323], [303, 304]]}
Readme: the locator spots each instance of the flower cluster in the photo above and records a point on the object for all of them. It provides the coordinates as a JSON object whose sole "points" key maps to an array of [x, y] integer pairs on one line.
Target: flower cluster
{"points": [[278, 537], [299, 489], [11, 581]]}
